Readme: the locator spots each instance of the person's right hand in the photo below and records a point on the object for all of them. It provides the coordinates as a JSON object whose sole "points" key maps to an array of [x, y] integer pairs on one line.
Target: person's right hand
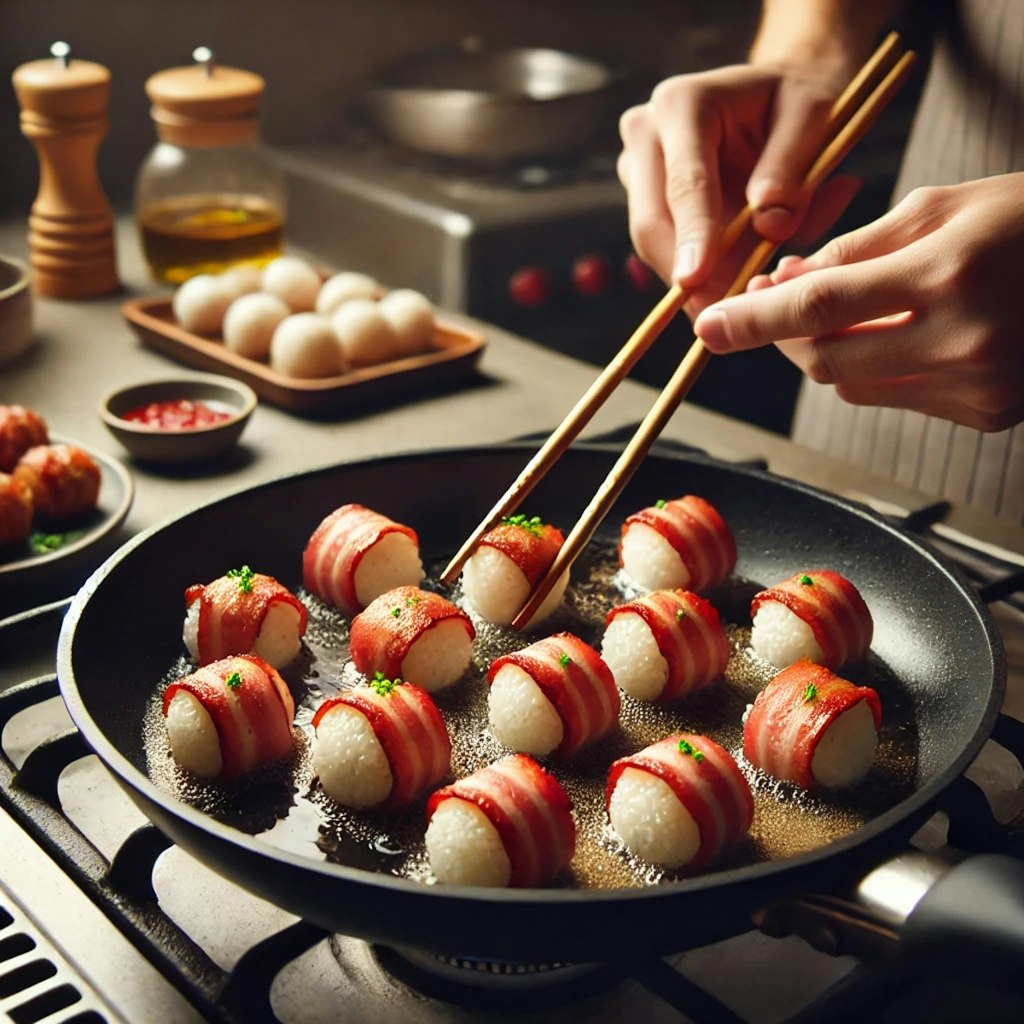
{"points": [[707, 143]]}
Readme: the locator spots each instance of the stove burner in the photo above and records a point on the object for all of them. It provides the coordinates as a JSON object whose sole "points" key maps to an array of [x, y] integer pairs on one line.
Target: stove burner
{"points": [[492, 984]]}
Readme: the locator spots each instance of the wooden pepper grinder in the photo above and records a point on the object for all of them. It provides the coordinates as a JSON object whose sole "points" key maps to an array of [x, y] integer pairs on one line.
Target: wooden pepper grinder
{"points": [[71, 227]]}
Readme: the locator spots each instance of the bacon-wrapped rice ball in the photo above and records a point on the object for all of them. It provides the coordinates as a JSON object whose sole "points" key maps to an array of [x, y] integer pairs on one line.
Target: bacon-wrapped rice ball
{"points": [[16, 510], [509, 824], [679, 802], [385, 743], [356, 554], [243, 612], [63, 479], [20, 429], [818, 615], [665, 645], [229, 717], [553, 697], [413, 634], [507, 563], [680, 544], [813, 728]]}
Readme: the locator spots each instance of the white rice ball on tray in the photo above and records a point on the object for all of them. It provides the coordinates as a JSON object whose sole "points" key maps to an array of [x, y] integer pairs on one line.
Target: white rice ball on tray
{"points": [[243, 279], [278, 642], [365, 336], [650, 561], [780, 636], [411, 315], [496, 588], [464, 848], [631, 652], [304, 345], [250, 322], [343, 286], [200, 303], [521, 717], [348, 757], [193, 736], [651, 820], [293, 280]]}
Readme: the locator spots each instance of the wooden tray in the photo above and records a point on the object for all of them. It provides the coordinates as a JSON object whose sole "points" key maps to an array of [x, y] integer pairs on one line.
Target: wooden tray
{"points": [[455, 355]]}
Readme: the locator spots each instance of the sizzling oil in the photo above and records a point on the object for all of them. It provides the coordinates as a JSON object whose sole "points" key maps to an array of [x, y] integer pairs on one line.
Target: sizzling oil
{"points": [[286, 807]]}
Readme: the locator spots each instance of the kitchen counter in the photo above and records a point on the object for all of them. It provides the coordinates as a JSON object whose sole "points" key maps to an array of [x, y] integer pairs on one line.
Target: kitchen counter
{"points": [[85, 349]]}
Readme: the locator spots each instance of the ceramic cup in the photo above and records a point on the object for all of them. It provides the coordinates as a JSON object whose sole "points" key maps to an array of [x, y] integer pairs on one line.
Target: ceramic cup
{"points": [[15, 308]]}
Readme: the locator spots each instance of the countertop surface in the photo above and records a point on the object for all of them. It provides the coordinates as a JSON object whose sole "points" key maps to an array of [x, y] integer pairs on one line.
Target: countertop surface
{"points": [[85, 348]]}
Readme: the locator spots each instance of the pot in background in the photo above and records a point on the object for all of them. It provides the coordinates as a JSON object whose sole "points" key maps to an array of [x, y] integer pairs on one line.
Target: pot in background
{"points": [[493, 105]]}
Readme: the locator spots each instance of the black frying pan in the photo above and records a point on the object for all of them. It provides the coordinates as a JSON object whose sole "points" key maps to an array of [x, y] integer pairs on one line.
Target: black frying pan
{"points": [[932, 633]]}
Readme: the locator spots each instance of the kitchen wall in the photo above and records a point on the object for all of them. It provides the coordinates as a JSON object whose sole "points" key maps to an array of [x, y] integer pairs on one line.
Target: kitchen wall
{"points": [[315, 54]]}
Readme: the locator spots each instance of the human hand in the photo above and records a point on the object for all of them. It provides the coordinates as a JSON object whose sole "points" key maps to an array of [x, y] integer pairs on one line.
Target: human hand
{"points": [[708, 143], [919, 310]]}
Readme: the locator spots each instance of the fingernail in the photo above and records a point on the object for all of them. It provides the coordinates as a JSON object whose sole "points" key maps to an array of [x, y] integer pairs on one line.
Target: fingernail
{"points": [[687, 258], [712, 327]]}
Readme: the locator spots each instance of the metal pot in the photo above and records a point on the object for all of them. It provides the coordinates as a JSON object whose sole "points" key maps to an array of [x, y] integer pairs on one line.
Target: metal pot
{"points": [[493, 105]]}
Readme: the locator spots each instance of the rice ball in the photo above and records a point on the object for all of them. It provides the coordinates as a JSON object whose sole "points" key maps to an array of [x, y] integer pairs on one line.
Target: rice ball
{"points": [[780, 636], [304, 346], [193, 738], [200, 303], [352, 765], [496, 589], [652, 821], [411, 316], [344, 286], [250, 322], [293, 280], [243, 279], [365, 336], [520, 715], [464, 848]]}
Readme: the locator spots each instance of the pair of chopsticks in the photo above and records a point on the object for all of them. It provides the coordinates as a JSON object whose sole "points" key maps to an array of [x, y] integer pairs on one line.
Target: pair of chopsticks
{"points": [[851, 116]]}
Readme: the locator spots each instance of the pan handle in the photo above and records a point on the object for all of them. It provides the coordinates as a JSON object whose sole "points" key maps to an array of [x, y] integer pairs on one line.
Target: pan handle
{"points": [[971, 922]]}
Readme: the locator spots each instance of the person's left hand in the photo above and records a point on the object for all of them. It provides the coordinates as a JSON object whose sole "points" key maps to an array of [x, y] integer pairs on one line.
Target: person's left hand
{"points": [[921, 309]]}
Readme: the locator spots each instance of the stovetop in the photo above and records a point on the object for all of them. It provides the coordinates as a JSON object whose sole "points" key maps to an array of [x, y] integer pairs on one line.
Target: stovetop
{"points": [[102, 919]]}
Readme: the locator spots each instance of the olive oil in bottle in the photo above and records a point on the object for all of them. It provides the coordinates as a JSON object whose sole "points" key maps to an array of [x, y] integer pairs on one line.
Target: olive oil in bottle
{"points": [[191, 235]]}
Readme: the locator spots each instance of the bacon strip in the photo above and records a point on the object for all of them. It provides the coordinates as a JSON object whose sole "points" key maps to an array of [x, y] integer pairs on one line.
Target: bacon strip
{"points": [[712, 789], [411, 732], [253, 719], [698, 534], [784, 727], [336, 548], [230, 618], [577, 682], [689, 635], [530, 811], [532, 549], [833, 608], [383, 632]]}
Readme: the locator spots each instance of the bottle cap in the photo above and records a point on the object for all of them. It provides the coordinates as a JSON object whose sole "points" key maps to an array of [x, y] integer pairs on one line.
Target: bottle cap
{"points": [[205, 104]]}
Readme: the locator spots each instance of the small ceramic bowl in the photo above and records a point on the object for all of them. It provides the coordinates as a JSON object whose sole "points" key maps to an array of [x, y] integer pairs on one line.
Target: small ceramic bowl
{"points": [[167, 443], [15, 308]]}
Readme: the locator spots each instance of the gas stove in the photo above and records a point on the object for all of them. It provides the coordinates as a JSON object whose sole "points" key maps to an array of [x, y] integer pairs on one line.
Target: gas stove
{"points": [[102, 919]]}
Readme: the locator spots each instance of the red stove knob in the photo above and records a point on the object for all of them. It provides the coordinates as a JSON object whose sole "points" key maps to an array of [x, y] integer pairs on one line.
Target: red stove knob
{"points": [[591, 274], [640, 276], [530, 286]]}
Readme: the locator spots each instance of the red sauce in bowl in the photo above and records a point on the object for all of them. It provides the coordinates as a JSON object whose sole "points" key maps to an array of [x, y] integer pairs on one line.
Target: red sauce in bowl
{"points": [[175, 414]]}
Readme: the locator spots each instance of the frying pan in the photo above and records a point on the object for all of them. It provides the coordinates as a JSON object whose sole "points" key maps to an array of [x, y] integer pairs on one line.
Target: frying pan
{"points": [[122, 633]]}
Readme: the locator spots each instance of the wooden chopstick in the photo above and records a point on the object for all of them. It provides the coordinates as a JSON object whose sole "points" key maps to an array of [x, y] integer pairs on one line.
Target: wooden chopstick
{"points": [[698, 356], [654, 323]]}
